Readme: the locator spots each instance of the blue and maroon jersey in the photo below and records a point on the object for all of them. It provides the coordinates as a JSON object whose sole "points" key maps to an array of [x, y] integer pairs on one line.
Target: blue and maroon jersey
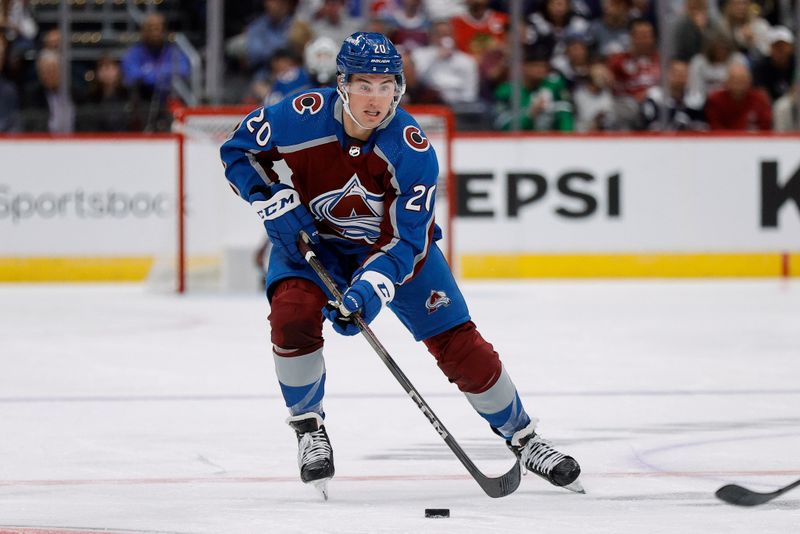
{"points": [[374, 197]]}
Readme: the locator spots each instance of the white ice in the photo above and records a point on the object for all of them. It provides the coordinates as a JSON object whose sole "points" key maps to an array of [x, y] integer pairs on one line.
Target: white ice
{"points": [[127, 411]]}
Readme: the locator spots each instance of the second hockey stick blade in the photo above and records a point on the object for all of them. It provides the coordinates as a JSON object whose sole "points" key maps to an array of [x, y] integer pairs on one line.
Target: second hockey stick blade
{"points": [[740, 496], [493, 486]]}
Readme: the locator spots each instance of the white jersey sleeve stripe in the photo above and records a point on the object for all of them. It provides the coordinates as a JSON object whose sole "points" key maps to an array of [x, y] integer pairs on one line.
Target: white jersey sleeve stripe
{"points": [[251, 157], [288, 149]]}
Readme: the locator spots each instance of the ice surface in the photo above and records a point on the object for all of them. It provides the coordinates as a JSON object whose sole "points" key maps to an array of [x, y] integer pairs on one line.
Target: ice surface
{"points": [[127, 411]]}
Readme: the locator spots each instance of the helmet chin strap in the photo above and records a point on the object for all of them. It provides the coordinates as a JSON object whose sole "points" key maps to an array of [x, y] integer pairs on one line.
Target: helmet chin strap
{"points": [[346, 106]]}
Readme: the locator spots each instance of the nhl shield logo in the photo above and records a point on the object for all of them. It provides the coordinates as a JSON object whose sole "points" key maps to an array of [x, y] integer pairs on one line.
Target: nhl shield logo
{"points": [[438, 299], [354, 151]]}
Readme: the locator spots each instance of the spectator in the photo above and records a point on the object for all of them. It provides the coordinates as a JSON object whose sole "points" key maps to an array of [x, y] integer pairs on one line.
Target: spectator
{"points": [[775, 72], [786, 111], [44, 107], [635, 72], [480, 29], [23, 72], [549, 25], [693, 30], [709, 70], [610, 34], [288, 77], [739, 106], [304, 10], [266, 34], [417, 91], [409, 24], [594, 102], [300, 34], [748, 31], [320, 61], [149, 66], [444, 9], [332, 20], [449, 71], [108, 106], [493, 70], [379, 9], [684, 109], [18, 28], [51, 40], [574, 65], [544, 100], [9, 100]]}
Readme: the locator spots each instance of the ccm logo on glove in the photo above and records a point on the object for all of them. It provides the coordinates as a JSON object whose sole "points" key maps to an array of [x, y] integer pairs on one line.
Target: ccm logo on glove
{"points": [[278, 204], [284, 216]]}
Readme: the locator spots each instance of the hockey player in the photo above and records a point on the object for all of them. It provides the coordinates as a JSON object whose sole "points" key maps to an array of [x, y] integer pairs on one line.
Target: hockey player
{"points": [[363, 187]]}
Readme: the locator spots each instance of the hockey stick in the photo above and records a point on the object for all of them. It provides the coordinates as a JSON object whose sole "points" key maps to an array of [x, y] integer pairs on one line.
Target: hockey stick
{"points": [[735, 494], [494, 487]]}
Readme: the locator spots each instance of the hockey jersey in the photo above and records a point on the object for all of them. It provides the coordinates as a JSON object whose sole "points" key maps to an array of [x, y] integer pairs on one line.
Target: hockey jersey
{"points": [[374, 198]]}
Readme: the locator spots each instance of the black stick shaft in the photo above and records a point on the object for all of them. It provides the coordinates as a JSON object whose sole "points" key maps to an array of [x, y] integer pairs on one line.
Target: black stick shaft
{"points": [[494, 487]]}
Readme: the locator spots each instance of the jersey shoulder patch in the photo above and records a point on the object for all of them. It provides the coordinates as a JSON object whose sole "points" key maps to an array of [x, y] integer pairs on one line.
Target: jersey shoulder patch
{"points": [[404, 133], [310, 102], [407, 148], [311, 109], [415, 138]]}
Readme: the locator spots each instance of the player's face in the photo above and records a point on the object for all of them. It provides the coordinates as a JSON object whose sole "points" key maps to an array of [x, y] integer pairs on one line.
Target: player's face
{"points": [[371, 97]]}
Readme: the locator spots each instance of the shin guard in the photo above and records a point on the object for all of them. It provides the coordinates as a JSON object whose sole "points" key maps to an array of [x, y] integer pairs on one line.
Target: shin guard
{"points": [[472, 364], [296, 322]]}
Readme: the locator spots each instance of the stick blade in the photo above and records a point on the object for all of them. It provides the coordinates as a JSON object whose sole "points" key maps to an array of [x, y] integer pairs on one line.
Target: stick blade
{"points": [[501, 486], [735, 494]]}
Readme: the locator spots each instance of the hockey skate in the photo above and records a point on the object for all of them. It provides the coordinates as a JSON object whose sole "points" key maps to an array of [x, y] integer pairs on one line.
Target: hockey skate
{"points": [[314, 452], [538, 457]]}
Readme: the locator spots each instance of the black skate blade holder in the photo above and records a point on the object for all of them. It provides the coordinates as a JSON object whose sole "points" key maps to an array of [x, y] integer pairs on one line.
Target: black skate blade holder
{"points": [[495, 487]]}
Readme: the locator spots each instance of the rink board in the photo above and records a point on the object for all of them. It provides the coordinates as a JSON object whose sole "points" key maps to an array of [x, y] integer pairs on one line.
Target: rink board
{"points": [[103, 208], [627, 206], [86, 207]]}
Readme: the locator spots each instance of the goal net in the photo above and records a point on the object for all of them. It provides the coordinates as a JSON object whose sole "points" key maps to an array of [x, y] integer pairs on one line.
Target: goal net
{"points": [[219, 236]]}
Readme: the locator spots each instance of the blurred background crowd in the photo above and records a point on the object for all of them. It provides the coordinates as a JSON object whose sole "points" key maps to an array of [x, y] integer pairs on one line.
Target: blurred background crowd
{"points": [[540, 65]]}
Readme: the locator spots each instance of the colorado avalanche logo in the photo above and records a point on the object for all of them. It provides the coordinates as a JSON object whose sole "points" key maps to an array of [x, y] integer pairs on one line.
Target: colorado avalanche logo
{"points": [[414, 138], [352, 210], [308, 101], [438, 299]]}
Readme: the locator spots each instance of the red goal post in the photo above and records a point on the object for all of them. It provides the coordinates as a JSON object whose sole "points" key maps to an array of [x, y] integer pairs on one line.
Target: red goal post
{"points": [[201, 245]]}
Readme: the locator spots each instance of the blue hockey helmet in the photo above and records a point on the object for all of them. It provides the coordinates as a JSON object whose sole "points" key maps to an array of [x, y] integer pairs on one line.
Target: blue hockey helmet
{"points": [[368, 53]]}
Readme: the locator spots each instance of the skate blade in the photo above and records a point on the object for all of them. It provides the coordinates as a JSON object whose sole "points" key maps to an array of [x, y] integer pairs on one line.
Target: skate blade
{"points": [[321, 485], [576, 486]]}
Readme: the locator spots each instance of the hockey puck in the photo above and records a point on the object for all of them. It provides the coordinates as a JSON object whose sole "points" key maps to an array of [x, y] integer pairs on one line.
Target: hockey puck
{"points": [[437, 512]]}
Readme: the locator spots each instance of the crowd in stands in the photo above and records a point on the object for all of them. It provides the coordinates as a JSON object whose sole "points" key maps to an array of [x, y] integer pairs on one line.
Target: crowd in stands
{"points": [[587, 65], [116, 95]]}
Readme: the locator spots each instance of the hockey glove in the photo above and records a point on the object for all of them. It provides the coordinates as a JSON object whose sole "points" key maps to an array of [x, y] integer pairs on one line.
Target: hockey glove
{"points": [[284, 216], [367, 295]]}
